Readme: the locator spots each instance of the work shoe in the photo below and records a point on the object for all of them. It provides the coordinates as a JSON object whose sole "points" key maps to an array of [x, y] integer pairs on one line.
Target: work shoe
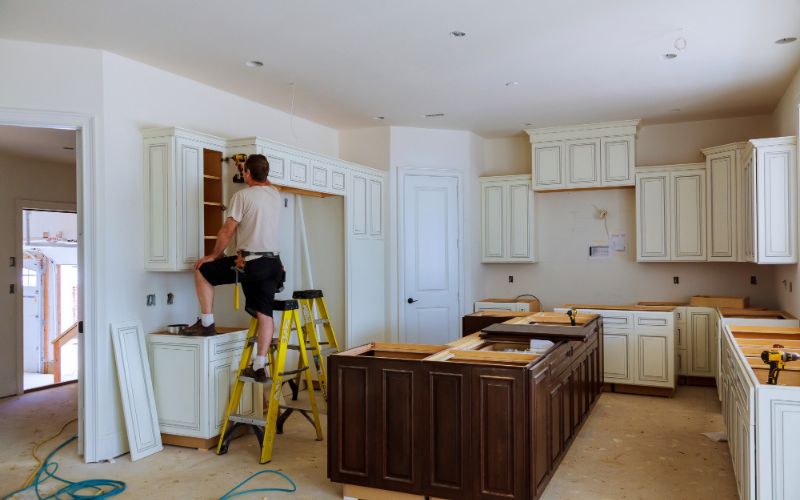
{"points": [[259, 375], [199, 330]]}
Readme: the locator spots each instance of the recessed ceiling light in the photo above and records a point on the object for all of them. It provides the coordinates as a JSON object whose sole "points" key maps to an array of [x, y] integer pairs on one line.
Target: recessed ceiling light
{"points": [[378, 117], [254, 64], [434, 115], [458, 34], [670, 55], [512, 84], [527, 124], [69, 148], [784, 41], [675, 110]]}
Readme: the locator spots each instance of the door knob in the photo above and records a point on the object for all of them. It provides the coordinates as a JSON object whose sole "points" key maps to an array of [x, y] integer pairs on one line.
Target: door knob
{"points": [[411, 301]]}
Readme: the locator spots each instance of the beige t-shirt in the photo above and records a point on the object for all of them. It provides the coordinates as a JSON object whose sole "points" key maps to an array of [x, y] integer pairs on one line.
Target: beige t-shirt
{"points": [[257, 209]]}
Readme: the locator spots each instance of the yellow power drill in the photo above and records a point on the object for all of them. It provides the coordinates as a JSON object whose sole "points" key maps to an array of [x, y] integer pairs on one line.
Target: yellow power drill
{"points": [[777, 361]]}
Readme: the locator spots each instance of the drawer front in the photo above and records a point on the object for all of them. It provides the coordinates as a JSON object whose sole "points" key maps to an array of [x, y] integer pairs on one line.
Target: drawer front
{"points": [[614, 320], [227, 345], [654, 321]]}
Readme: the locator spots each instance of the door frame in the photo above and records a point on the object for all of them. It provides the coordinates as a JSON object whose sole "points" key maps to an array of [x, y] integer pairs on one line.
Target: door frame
{"points": [[90, 260], [399, 277], [22, 205]]}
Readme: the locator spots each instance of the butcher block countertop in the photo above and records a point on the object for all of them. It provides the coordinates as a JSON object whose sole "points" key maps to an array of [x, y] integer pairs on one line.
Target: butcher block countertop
{"points": [[636, 307], [754, 312]]}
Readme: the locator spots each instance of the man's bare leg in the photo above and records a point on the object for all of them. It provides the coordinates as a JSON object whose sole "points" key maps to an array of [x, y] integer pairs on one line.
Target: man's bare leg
{"points": [[266, 329], [205, 293]]}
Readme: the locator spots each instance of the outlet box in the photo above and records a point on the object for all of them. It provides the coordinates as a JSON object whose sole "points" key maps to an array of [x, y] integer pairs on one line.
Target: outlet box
{"points": [[170, 298], [510, 278], [676, 280], [151, 299], [754, 280]]}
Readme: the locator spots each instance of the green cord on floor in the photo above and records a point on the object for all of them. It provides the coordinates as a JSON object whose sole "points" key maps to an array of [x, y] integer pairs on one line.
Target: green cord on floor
{"points": [[101, 488], [106, 488], [231, 494]]}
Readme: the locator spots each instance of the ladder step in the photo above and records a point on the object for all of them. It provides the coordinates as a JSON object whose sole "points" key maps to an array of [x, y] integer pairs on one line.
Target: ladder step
{"points": [[301, 405], [243, 419], [244, 378]]}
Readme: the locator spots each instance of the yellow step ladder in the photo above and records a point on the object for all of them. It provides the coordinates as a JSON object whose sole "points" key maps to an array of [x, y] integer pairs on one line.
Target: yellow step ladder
{"points": [[265, 429], [309, 301]]}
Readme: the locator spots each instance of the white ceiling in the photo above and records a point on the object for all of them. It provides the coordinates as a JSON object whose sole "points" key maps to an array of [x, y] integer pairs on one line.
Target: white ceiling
{"points": [[351, 60], [38, 143]]}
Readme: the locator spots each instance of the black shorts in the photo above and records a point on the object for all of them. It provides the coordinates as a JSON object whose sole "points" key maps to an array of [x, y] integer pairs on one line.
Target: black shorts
{"points": [[260, 280]]}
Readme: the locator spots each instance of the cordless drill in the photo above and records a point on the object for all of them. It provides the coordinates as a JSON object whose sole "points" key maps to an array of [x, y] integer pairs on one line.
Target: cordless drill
{"points": [[573, 314], [777, 361]]}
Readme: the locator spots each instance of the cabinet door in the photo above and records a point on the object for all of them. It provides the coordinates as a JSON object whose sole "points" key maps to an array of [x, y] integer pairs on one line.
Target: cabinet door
{"points": [[701, 349], [159, 204], [351, 422], [556, 420], [499, 408], [520, 223], [177, 372], [615, 357], [493, 205], [748, 201], [375, 207], [652, 216], [548, 166], [688, 215], [447, 471], [540, 430], [616, 161], [190, 202], [777, 205], [653, 363], [358, 202], [400, 420], [722, 206], [583, 163]]}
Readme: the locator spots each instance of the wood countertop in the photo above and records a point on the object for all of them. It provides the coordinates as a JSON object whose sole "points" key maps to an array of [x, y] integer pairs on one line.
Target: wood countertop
{"points": [[634, 307], [754, 312]]}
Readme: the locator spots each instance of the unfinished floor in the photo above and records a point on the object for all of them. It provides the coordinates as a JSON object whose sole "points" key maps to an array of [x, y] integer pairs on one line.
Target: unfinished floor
{"points": [[631, 447]]}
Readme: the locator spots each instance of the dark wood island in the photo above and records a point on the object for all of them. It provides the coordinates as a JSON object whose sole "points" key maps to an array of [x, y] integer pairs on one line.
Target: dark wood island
{"points": [[482, 417]]}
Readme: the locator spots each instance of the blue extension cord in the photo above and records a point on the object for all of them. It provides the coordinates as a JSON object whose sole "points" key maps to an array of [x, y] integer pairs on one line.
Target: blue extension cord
{"points": [[72, 489]]}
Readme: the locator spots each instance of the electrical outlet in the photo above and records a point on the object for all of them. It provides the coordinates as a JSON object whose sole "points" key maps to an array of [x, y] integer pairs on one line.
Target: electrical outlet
{"points": [[170, 298], [510, 278], [151, 299], [12, 262], [754, 280], [676, 280]]}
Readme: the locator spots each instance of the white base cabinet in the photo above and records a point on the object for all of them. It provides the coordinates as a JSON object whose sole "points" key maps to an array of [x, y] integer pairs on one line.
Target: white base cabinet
{"points": [[762, 423], [507, 216], [638, 347], [192, 380]]}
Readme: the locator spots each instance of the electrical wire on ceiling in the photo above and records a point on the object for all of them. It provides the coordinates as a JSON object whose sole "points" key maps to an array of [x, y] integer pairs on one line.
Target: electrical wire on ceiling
{"points": [[291, 111]]}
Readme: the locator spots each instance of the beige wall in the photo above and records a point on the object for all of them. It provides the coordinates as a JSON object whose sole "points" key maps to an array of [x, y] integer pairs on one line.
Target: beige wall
{"points": [[786, 123], [23, 179], [367, 146], [565, 225]]}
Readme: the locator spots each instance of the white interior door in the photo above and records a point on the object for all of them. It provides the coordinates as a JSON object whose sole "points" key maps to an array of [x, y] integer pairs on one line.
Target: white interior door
{"points": [[431, 259]]}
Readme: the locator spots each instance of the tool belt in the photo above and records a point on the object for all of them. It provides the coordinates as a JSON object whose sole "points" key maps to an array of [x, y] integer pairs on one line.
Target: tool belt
{"points": [[241, 258]]}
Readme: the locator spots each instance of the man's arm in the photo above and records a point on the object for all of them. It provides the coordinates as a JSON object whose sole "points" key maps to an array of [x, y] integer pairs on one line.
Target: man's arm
{"points": [[224, 236]]}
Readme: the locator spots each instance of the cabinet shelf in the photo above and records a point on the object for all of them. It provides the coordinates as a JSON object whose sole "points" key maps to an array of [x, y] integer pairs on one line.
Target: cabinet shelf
{"points": [[212, 177], [212, 204], [209, 237]]}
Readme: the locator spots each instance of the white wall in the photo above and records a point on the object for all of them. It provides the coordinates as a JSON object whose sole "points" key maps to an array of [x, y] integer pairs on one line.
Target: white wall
{"points": [[566, 224], [786, 123], [23, 179], [367, 146], [123, 97]]}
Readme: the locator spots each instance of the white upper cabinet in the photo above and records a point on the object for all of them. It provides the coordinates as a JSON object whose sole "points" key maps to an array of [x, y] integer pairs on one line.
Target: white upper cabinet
{"points": [[671, 213], [723, 176], [507, 219], [752, 201], [774, 210], [174, 165], [584, 156]]}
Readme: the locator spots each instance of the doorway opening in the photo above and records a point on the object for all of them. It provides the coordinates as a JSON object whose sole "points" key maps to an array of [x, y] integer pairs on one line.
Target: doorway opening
{"points": [[50, 292]]}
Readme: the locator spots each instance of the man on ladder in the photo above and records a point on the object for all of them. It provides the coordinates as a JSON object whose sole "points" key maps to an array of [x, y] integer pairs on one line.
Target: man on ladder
{"points": [[254, 218]]}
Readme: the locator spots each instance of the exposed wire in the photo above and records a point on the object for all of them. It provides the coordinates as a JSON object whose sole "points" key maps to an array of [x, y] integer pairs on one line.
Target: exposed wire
{"points": [[30, 479], [291, 111]]}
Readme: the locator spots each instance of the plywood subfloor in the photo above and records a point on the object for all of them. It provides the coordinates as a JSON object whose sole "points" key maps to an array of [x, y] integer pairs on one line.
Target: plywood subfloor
{"points": [[631, 447]]}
